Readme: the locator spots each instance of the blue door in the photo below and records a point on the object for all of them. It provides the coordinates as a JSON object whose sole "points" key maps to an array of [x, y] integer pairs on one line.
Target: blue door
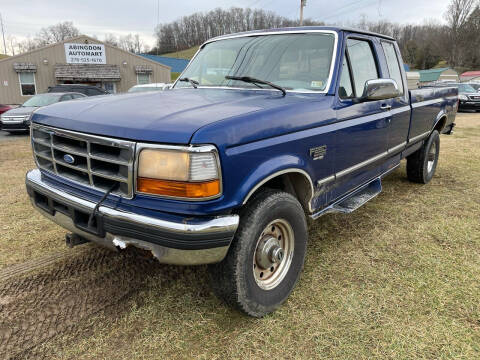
{"points": [[400, 124], [362, 133]]}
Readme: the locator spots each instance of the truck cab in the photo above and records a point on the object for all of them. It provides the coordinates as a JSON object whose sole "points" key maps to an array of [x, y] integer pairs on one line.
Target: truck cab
{"points": [[262, 130]]}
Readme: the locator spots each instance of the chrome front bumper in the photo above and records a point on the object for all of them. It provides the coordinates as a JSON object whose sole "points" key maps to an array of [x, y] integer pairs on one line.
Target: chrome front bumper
{"points": [[190, 242]]}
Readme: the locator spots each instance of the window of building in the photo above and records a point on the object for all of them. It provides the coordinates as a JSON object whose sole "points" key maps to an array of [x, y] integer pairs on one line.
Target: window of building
{"points": [[362, 63], [27, 83], [110, 87], [393, 64], [143, 79]]}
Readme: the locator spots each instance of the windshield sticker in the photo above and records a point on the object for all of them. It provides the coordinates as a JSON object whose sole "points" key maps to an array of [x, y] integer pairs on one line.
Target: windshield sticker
{"points": [[317, 84]]}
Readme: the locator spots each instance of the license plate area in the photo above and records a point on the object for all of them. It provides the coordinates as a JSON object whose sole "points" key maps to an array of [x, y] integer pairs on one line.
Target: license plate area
{"points": [[80, 218]]}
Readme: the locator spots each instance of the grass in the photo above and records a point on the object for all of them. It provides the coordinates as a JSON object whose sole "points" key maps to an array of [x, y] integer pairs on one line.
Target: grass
{"points": [[23, 233], [184, 54], [174, 76], [397, 279]]}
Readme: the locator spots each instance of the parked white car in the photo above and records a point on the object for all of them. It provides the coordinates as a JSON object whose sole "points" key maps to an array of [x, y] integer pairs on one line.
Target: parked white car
{"points": [[149, 87]]}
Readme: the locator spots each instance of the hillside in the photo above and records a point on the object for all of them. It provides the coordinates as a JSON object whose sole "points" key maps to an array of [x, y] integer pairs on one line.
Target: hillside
{"points": [[184, 54]]}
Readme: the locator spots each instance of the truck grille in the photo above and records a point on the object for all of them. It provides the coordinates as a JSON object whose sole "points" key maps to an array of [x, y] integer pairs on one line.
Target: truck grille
{"points": [[94, 161]]}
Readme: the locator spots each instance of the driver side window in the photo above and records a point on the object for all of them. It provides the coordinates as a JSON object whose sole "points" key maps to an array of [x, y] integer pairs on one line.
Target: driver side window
{"points": [[362, 63]]}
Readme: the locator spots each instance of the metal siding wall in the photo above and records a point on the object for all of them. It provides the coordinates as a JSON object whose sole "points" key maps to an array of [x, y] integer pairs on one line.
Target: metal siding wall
{"points": [[45, 75], [129, 77]]}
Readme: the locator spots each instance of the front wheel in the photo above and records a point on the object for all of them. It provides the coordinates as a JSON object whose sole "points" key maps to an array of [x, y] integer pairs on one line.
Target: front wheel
{"points": [[266, 257], [421, 165]]}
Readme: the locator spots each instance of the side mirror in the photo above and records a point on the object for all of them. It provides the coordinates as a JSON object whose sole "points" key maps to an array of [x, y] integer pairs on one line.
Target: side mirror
{"points": [[380, 89]]}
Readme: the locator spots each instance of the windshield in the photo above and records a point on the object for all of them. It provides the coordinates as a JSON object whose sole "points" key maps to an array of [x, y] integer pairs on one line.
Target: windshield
{"points": [[41, 100], [299, 62], [464, 88]]}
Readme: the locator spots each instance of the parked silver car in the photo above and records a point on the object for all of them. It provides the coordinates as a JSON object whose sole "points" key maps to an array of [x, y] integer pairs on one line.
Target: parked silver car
{"points": [[18, 119]]}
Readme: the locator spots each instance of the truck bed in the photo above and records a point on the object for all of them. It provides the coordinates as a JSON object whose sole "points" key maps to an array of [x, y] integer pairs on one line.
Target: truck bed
{"points": [[429, 105]]}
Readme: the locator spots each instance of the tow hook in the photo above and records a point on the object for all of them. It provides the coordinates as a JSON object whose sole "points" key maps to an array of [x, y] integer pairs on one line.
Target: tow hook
{"points": [[72, 240]]}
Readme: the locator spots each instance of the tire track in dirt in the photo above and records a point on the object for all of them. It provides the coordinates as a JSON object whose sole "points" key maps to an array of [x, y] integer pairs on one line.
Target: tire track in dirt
{"points": [[41, 305], [28, 266]]}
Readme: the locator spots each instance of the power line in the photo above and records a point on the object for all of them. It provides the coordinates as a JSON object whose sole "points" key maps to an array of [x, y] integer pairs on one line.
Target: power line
{"points": [[337, 12], [253, 3]]}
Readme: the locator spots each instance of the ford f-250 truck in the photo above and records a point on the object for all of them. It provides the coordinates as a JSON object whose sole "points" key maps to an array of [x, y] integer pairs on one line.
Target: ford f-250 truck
{"points": [[261, 130]]}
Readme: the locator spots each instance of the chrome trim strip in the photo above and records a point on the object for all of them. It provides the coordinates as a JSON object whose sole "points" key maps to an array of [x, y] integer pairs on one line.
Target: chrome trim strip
{"points": [[326, 180], [192, 148], [400, 110], [426, 102], [218, 224], [419, 137], [7, 121], [278, 173], [397, 148], [362, 164], [332, 64]]}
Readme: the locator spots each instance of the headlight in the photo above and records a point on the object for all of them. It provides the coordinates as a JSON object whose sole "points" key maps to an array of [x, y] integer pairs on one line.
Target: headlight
{"points": [[463, 97], [190, 173]]}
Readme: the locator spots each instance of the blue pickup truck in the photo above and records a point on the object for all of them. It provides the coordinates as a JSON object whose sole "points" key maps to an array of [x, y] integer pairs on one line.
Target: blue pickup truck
{"points": [[262, 130]]}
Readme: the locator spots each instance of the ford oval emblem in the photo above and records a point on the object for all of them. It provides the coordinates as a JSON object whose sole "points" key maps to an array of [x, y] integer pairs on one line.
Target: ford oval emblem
{"points": [[69, 159]]}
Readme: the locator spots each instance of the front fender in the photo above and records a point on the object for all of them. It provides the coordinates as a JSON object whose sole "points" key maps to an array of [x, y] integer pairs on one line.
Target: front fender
{"points": [[270, 169]]}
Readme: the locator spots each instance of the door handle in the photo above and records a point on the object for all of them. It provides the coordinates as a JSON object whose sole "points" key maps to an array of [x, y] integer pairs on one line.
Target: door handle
{"points": [[386, 107]]}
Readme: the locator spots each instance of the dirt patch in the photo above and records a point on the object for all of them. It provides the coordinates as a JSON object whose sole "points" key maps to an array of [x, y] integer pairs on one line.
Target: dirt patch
{"points": [[55, 299]]}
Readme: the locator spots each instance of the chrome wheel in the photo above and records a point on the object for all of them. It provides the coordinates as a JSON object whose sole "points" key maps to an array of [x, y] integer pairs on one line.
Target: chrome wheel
{"points": [[431, 157], [273, 254]]}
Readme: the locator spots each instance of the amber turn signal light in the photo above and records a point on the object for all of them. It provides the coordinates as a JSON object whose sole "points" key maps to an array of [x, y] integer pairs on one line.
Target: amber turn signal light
{"points": [[181, 189]]}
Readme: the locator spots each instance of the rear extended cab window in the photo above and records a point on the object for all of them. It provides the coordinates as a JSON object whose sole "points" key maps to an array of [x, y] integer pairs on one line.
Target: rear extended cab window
{"points": [[393, 64]]}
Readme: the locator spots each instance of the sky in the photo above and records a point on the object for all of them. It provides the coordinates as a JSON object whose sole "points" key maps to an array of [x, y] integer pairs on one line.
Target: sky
{"points": [[24, 18]]}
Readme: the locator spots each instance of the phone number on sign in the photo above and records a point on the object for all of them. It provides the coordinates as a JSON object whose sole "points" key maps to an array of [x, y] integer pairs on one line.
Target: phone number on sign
{"points": [[85, 60]]}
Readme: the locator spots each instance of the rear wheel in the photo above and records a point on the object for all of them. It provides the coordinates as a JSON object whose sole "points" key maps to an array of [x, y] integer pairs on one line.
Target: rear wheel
{"points": [[421, 165], [266, 256]]}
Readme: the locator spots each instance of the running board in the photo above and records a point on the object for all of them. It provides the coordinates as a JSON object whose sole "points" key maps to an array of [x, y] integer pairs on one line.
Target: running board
{"points": [[354, 200]]}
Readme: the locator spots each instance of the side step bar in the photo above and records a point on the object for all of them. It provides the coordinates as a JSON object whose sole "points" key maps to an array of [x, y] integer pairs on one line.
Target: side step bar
{"points": [[354, 200]]}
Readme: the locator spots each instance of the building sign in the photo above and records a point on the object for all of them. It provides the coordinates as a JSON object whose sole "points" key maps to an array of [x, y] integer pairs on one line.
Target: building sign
{"points": [[85, 53]]}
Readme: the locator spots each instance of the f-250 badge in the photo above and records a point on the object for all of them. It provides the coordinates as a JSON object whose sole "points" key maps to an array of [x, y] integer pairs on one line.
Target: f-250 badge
{"points": [[318, 153]]}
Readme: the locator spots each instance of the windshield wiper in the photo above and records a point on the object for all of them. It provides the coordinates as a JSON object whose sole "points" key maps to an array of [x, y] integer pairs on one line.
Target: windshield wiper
{"points": [[252, 80], [194, 83]]}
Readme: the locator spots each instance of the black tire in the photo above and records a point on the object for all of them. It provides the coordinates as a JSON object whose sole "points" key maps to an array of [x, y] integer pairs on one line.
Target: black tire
{"points": [[233, 279], [418, 169]]}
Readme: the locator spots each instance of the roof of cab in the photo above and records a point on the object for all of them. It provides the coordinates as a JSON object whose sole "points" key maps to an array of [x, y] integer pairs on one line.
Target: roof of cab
{"points": [[302, 28]]}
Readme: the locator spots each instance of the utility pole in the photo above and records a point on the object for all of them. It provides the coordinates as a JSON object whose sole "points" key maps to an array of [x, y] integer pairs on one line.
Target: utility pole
{"points": [[303, 3], [3, 35]]}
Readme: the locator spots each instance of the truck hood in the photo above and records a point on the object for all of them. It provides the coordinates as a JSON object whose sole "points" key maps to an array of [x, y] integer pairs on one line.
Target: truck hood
{"points": [[171, 116]]}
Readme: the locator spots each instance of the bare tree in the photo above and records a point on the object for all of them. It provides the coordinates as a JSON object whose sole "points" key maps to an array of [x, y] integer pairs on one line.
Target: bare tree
{"points": [[196, 28], [457, 16], [55, 33], [110, 39]]}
